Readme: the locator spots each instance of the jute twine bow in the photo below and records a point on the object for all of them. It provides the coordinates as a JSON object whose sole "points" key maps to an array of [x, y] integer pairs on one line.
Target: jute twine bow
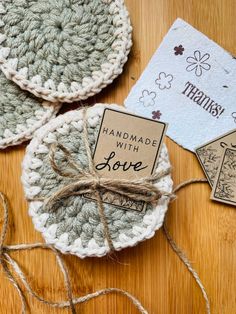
{"points": [[83, 181]]}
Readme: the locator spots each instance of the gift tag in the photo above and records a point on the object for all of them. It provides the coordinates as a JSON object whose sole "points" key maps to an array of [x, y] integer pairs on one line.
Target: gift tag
{"points": [[189, 83], [209, 154], [224, 189], [128, 147]]}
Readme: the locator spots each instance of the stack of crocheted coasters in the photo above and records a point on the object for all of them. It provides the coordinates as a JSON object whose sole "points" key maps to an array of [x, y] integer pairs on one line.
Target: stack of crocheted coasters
{"points": [[60, 51], [75, 226]]}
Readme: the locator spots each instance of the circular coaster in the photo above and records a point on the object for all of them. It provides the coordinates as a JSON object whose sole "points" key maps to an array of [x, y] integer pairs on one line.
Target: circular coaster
{"points": [[21, 113], [75, 227], [63, 50]]}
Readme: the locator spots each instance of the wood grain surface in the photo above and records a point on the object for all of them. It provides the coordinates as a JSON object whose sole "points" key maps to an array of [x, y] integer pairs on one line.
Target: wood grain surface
{"points": [[151, 271]]}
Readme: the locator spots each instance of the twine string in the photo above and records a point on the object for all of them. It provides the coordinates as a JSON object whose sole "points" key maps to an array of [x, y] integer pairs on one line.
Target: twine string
{"points": [[3, 263], [96, 184], [180, 252], [187, 263], [188, 182]]}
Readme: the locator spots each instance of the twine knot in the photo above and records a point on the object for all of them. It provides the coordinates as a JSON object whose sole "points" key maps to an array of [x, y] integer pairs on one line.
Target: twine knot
{"points": [[96, 183]]}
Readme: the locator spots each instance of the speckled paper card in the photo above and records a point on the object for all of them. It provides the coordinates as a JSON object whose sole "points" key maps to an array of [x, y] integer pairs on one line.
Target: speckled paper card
{"points": [[189, 83], [209, 154], [224, 189]]}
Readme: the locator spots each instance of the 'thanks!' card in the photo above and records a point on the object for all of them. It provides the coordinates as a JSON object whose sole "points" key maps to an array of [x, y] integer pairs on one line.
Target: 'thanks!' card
{"points": [[190, 83]]}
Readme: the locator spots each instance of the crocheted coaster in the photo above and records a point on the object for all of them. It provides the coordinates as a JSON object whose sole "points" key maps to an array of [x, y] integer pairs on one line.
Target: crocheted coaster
{"points": [[75, 227], [63, 50], [21, 113]]}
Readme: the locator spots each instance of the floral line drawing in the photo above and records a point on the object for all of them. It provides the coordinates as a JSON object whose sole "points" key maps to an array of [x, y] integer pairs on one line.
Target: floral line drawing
{"points": [[156, 115], [147, 98], [198, 63], [179, 50], [164, 80], [226, 184], [234, 116], [210, 160], [118, 200], [121, 201]]}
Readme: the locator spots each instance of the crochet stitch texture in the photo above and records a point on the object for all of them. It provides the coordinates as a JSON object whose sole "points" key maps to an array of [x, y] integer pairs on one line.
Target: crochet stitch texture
{"points": [[21, 113], [63, 50], [75, 226]]}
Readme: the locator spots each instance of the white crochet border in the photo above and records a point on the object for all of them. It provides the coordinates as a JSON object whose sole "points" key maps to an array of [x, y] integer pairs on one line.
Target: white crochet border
{"points": [[30, 176], [22, 136], [90, 85]]}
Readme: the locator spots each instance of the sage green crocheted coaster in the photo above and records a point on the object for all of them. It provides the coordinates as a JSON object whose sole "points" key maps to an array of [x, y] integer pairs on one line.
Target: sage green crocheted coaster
{"points": [[21, 113], [63, 50], [75, 226]]}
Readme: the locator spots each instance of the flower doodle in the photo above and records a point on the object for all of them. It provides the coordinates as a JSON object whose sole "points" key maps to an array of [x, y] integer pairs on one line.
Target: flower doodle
{"points": [[179, 50], [164, 80], [147, 98], [156, 115], [198, 63]]}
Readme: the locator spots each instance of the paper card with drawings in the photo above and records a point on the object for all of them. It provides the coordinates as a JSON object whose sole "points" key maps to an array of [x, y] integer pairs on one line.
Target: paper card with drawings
{"points": [[189, 83], [210, 153], [224, 189], [127, 147]]}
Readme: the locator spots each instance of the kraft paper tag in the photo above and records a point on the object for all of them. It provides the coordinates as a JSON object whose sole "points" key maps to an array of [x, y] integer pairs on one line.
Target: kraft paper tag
{"points": [[209, 154], [127, 147], [224, 189], [189, 83]]}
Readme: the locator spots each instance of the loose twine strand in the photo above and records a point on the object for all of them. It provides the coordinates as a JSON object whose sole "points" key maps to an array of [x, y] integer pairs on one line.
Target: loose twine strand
{"points": [[180, 253]]}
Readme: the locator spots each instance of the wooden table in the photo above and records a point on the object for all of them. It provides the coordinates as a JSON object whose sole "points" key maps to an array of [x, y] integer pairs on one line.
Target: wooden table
{"points": [[151, 271]]}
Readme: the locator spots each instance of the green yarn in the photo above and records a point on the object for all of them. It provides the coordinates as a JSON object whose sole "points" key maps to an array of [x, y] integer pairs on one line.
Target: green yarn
{"points": [[62, 40], [21, 113], [16, 107]]}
